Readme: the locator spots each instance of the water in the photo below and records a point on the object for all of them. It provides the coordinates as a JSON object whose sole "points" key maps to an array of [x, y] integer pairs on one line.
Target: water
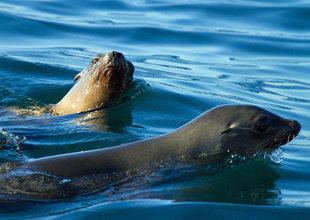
{"points": [[189, 56]]}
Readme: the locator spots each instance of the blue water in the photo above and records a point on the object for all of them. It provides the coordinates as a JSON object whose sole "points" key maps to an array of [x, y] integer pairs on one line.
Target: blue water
{"points": [[190, 56]]}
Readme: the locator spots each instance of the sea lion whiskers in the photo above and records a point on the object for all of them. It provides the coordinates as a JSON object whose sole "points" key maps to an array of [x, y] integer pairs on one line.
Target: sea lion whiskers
{"points": [[293, 136], [288, 138], [274, 143], [267, 145]]}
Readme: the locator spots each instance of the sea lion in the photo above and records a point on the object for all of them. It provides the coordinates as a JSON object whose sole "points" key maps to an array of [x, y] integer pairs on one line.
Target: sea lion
{"points": [[107, 77], [232, 129]]}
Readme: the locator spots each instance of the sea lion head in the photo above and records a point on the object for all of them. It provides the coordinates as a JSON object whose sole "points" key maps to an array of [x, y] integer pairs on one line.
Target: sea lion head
{"points": [[240, 129], [107, 77], [111, 73], [250, 129]]}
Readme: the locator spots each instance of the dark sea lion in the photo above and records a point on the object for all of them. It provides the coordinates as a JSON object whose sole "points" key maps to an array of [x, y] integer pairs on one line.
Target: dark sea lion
{"points": [[233, 129], [107, 77]]}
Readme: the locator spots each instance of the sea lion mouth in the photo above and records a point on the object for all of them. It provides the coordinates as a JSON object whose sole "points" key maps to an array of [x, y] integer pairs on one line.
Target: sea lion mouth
{"points": [[277, 142], [283, 137]]}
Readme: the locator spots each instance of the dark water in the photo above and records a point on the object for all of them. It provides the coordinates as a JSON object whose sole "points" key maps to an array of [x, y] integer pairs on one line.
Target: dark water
{"points": [[189, 56]]}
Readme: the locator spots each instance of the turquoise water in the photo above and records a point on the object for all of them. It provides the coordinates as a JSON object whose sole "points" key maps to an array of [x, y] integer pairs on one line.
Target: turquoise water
{"points": [[189, 56]]}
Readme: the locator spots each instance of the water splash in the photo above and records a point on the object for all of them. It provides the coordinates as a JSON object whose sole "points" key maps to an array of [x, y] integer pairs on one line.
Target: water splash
{"points": [[276, 156], [10, 146], [235, 159]]}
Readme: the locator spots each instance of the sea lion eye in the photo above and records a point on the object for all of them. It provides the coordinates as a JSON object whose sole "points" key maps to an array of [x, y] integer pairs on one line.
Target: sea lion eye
{"points": [[261, 126], [95, 60]]}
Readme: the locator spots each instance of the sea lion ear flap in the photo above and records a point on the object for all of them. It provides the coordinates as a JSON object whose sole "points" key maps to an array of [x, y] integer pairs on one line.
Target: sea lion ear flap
{"points": [[77, 77], [226, 131]]}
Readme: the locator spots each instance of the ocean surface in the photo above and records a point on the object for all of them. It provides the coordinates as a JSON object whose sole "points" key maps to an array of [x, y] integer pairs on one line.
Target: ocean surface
{"points": [[190, 56]]}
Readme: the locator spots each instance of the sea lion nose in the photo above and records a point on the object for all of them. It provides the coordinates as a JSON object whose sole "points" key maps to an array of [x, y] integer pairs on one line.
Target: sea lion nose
{"points": [[116, 54], [295, 125]]}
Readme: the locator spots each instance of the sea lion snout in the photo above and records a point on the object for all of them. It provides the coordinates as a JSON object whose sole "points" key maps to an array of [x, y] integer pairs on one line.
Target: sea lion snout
{"points": [[120, 58], [115, 55], [295, 125], [292, 125]]}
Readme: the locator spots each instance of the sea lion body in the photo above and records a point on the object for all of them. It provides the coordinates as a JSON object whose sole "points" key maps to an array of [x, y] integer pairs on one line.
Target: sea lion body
{"points": [[240, 129], [106, 78]]}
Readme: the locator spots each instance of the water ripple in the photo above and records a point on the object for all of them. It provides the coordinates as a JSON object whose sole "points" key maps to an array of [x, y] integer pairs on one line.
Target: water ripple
{"points": [[189, 56]]}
